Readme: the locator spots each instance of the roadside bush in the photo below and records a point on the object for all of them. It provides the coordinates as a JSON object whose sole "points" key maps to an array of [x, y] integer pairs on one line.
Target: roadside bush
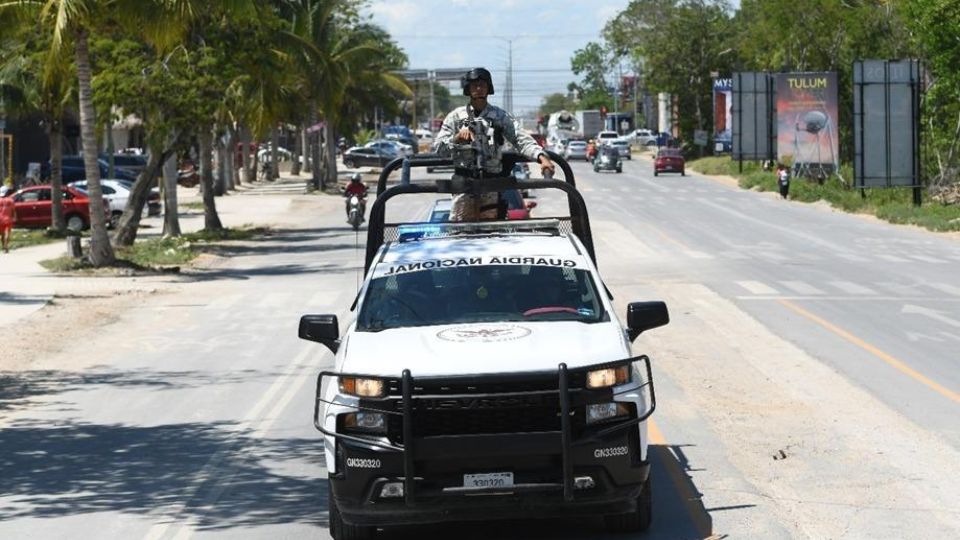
{"points": [[894, 205]]}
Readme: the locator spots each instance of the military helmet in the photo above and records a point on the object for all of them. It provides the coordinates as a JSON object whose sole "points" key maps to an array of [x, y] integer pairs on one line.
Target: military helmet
{"points": [[474, 75]]}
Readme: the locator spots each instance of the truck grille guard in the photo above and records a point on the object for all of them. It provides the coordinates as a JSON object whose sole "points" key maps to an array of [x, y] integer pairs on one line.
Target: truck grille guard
{"points": [[566, 395]]}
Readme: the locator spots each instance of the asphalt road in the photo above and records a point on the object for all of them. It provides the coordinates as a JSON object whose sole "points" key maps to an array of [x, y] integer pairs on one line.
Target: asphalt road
{"points": [[807, 385]]}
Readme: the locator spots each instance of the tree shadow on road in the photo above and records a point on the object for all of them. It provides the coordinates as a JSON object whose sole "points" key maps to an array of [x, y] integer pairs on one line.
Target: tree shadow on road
{"points": [[77, 468]]}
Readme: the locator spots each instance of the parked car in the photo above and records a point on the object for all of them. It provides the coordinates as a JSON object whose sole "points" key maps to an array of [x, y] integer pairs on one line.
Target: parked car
{"points": [[361, 156], [33, 207], [131, 163], [669, 160], [622, 146], [118, 192], [265, 154], [396, 147], [73, 169], [517, 207], [576, 150], [643, 137], [405, 141]]}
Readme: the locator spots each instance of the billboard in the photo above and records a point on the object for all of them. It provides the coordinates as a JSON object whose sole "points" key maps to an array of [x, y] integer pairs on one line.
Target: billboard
{"points": [[722, 115], [752, 116], [886, 123], [807, 120]]}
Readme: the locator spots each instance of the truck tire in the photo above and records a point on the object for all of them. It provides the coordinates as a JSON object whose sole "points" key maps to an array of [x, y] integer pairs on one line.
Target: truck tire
{"points": [[344, 531], [633, 522]]}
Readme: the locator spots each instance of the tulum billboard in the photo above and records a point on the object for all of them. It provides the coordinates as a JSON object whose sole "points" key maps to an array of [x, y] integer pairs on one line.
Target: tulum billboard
{"points": [[807, 116], [722, 114]]}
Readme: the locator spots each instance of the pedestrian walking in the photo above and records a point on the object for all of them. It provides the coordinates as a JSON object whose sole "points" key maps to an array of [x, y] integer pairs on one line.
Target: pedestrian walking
{"points": [[783, 180], [7, 217]]}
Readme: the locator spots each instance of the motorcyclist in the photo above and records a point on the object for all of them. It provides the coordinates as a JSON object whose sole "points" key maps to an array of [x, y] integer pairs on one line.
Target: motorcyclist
{"points": [[358, 188], [591, 150], [478, 84]]}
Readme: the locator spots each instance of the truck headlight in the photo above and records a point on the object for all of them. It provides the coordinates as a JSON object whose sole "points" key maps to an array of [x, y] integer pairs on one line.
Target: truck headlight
{"points": [[602, 378], [599, 412], [360, 387], [367, 422]]}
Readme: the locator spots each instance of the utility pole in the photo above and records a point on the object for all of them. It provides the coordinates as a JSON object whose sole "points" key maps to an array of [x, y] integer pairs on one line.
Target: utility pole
{"points": [[508, 99], [432, 78]]}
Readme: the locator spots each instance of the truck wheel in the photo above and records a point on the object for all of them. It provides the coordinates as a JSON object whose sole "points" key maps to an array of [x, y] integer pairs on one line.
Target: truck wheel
{"points": [[638, 521], [344, 531]]}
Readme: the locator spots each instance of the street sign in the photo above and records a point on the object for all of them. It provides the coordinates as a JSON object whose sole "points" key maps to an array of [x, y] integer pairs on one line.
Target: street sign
{"points": [[700, 137]]}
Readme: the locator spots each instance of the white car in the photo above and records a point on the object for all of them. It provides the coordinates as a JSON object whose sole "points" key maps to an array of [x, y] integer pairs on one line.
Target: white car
{"points": [[606, 136], [395, 147], [484, 359], [575, 150], [264, 154], [117, 193], [643, 137], [622, 146]]}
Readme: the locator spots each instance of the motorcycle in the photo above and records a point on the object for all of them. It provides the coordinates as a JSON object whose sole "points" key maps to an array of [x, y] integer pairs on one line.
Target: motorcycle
{"points": [[355, 212]]}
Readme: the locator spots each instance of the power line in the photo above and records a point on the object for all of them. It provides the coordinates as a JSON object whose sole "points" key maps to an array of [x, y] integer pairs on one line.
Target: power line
{"points": [[460, 37]]}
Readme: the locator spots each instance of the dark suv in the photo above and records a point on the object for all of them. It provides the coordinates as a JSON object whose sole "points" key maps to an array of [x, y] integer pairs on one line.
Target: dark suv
{"points": [[73, 170]]}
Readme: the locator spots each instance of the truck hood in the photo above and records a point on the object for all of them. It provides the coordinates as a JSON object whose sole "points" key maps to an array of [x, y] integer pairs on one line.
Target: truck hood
{"points": [[483, 348]]}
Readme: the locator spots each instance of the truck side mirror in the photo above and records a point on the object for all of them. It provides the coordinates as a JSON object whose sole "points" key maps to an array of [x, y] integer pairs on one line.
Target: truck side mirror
{"points": [[321, 328], [643, 316]]}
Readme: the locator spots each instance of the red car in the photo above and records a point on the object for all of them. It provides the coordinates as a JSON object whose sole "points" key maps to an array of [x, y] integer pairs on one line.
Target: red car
{"points": [[669, 160], [517, 208], [33, 207]]}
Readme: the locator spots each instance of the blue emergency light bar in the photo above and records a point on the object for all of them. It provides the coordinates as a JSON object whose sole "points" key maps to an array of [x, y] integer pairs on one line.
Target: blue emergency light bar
{"points": [[417, 231]]}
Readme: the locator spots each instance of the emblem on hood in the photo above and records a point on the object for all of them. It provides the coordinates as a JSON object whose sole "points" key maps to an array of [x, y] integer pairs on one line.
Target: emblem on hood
{"points": [[486, 334]]}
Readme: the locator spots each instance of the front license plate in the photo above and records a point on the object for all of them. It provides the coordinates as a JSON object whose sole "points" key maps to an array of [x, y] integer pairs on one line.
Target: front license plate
{"points": [[488, 480]]}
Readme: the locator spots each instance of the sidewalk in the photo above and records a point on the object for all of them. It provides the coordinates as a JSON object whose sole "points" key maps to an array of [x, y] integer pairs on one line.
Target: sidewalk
{"points": [[26, 287]]}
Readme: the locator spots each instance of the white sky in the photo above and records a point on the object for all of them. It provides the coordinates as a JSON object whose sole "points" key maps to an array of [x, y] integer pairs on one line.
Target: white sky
{"points": [[472, 33]]}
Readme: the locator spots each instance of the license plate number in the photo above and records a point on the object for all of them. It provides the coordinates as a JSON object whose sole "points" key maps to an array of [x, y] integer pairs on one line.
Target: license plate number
{"points": [[488, 480]]}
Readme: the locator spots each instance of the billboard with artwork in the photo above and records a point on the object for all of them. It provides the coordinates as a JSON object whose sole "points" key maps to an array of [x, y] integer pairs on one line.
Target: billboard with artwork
{"points": [[807, 119], [722, 115]]}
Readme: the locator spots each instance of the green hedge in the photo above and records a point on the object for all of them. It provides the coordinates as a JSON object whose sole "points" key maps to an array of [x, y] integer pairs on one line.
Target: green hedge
{"points": [[894, 205]]}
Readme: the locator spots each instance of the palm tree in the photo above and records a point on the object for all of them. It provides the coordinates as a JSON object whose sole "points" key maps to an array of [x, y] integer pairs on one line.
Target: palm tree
{"points": [[37, 80], [334, 55], [162, 22]]}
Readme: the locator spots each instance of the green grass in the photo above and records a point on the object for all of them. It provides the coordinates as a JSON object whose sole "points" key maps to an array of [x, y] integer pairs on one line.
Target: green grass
{"points": [[162, 253], [894, 205], [22, 238], [191, 206]]}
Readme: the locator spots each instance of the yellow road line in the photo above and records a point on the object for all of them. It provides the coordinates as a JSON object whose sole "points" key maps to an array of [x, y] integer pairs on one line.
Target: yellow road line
{"points": [[899, 365], [692, 502]]}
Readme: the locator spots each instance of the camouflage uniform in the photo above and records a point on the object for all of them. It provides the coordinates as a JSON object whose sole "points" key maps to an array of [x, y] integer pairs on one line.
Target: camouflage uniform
{"points": [[468, 207]]}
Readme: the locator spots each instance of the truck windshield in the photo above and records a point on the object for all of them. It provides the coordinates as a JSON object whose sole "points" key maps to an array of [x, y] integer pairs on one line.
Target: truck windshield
{"points": [[490, 293]]}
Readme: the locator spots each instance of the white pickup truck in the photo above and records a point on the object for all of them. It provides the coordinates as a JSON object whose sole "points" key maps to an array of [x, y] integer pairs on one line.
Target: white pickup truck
{"points": [[484, 375]]}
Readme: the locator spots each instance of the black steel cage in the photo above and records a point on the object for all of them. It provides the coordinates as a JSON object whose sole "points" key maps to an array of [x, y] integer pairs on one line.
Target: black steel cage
{"points": [[404, 399], [379, 231]]}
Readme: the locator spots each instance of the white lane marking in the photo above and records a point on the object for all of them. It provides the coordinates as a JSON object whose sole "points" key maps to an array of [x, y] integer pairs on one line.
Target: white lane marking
{"points": [[852, 288], [891, 258], [756, 287], [851, 257], [944, 287], [171, 516], [801, 287], [926, 258], [930, 313]]}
